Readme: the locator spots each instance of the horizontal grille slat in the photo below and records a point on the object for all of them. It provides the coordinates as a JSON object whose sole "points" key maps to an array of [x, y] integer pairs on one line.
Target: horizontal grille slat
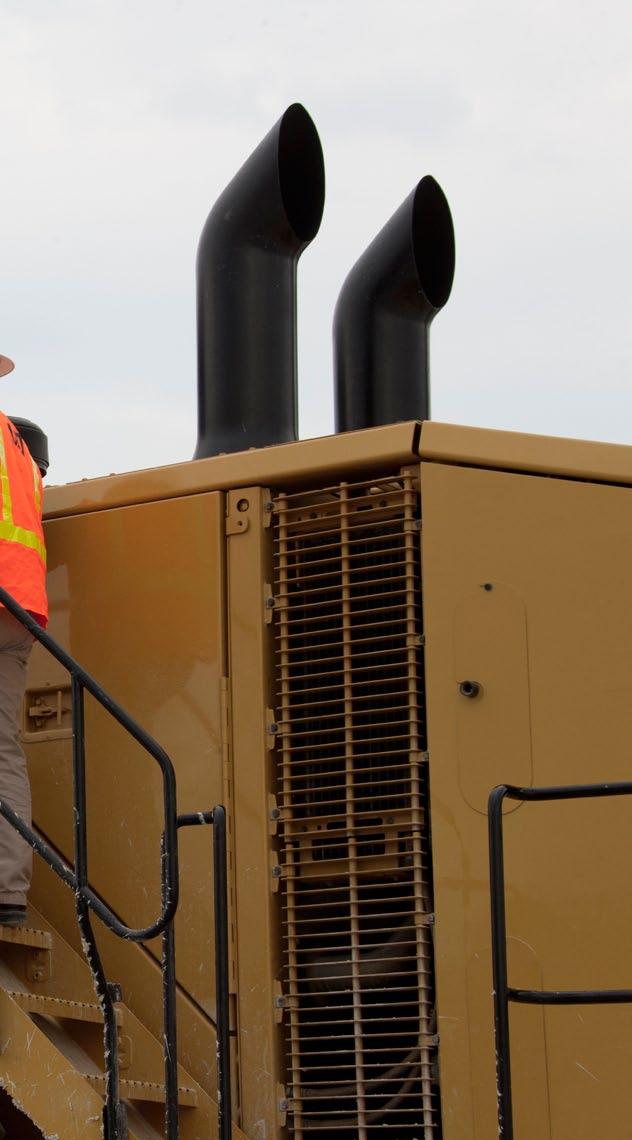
{"points": [[351, 787]]}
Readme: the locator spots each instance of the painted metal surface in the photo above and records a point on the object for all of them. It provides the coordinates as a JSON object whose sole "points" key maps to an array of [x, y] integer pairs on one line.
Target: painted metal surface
{"points": [[562, 551], [377, 451], [516, 451], [136, 596]]}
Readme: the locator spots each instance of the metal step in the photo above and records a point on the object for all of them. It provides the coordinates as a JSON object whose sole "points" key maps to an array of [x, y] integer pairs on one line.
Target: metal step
{"points": [[143, 1090], [61, 1008], [26, 936]]}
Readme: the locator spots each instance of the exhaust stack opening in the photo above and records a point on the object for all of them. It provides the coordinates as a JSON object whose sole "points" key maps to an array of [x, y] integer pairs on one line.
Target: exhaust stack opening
{"points": [[246, 290], [384, 312]]}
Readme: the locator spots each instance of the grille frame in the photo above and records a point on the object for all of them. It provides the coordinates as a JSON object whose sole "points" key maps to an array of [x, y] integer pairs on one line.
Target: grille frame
{"points": [[354, 826]]}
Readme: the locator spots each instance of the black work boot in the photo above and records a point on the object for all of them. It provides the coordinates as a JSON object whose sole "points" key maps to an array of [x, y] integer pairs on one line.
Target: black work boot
{"points": [[11, 914]]}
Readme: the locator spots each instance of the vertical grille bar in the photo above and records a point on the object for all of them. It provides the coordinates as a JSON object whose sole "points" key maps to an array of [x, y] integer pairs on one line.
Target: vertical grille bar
{"points": [[352, 789], [353, 859]]}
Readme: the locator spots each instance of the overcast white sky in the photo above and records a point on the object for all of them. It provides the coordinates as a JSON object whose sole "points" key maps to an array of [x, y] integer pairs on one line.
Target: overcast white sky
{"points": [[122, 120]]}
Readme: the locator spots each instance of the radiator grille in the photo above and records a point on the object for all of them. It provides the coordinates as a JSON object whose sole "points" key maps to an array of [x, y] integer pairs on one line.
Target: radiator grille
{"points": [[354, 832]]}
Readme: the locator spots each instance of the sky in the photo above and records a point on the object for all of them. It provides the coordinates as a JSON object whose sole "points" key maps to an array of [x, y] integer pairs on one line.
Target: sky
{"points": [[121, 122]]}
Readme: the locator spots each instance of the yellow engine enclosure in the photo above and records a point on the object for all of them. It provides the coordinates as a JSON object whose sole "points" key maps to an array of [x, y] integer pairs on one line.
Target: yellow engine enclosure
{"points": [[159, 585]]}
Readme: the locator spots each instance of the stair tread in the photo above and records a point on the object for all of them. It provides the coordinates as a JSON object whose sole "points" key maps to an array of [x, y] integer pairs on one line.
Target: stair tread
{"points": [[26, 936], [143, 1090], [63, 1008]]}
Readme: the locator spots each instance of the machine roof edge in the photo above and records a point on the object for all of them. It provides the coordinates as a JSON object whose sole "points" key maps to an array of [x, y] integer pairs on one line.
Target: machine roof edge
{"points": [[515, 451], [375, 450]]}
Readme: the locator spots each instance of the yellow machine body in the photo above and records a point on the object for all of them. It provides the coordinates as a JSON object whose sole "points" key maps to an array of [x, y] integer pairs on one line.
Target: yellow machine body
{"points": [[222, 602]]}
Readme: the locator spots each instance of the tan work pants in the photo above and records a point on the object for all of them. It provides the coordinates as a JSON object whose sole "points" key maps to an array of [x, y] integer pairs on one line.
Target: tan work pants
{"points": [[16, 856]]}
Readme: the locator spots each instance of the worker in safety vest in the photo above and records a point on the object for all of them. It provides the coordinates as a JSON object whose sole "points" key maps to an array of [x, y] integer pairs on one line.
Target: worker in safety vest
{"points": [[23, 574]]}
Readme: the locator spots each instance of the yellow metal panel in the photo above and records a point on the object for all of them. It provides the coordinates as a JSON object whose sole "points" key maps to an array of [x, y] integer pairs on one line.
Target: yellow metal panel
{"points": [[563, 551], [493, 729], [137, 597], [515, 451], [375, 451]]}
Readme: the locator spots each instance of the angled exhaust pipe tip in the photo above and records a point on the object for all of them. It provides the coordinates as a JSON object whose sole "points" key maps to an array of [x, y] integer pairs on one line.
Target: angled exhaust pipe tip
{"points": [[384, 312], [246, 290]]}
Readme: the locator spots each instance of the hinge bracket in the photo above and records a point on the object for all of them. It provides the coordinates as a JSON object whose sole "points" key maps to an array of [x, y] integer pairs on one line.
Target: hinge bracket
{"points": [[268, 603], [272, 729]]}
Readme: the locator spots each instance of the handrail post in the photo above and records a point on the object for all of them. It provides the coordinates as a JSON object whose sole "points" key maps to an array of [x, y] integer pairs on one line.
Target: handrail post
{"points": [[115, 1124], [220, 897], [170, 1039], [217, 817], [499, 962]]}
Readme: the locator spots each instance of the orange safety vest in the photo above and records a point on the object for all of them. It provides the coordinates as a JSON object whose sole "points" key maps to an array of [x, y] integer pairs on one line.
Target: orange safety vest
{"points": [[22, 549]]}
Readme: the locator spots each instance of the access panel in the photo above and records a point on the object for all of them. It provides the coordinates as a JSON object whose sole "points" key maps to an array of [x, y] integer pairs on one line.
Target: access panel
{"points": [[136, 595], [527, 593]]}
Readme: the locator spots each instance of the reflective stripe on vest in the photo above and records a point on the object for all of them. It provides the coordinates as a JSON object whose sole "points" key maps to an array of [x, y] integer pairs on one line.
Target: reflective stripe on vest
{"points": [[8, 530]]}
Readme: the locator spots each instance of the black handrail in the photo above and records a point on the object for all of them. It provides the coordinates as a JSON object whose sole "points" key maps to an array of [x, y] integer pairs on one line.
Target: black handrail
{"points": [[503, 992], [114, 1115]]}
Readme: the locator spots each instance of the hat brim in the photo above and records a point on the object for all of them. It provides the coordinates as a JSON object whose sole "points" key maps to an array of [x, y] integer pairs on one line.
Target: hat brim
{"points": [[6, 366]]}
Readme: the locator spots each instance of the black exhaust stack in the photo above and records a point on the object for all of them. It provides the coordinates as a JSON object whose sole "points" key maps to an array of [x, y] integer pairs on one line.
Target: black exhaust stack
{"points": [[384, 313], [246, 290]]}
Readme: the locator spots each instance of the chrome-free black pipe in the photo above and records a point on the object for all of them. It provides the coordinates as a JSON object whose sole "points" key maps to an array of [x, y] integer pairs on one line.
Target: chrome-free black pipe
{"points": [[246, 290], [384, 312]]}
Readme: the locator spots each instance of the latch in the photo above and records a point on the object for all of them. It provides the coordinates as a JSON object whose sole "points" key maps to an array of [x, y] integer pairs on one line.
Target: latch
{"points": [[47, 710]]}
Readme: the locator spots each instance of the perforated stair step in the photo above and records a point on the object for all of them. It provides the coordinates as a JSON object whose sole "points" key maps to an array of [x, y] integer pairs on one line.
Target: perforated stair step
{"points": [[61, 1008], [143, 1090], [26, 936]]}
